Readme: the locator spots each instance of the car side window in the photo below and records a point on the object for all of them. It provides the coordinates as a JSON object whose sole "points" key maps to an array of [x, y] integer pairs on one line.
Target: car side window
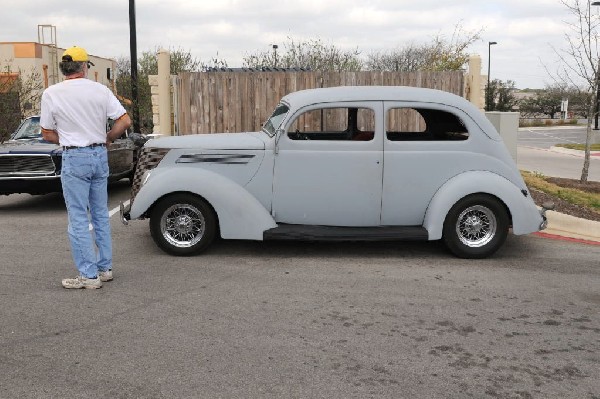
{"points": [[349, 124], [422, 124]]}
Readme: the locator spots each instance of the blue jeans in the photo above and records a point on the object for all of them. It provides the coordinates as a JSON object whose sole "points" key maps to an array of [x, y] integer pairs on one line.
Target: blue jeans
{"points": [[84, 178]]}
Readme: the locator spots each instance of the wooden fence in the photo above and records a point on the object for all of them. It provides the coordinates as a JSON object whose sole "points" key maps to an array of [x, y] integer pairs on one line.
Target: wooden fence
{"points": [[217, 102]]}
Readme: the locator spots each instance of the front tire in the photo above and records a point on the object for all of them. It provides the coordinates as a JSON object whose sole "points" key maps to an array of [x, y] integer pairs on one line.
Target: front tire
{"points": [[476, 226], [183, 224]]}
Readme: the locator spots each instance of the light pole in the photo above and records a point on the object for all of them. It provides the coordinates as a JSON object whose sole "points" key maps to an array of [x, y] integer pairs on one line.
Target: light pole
{"points": [[275, 47], [134, 67], [487, 89]]}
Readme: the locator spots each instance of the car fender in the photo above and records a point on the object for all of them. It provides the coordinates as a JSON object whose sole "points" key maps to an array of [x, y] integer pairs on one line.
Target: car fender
{"points": [[240, 214], [525, 216]]}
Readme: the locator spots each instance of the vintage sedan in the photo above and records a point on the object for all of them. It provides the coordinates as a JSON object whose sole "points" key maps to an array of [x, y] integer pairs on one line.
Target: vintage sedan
{"points": [[344, 163], [29, 164]]}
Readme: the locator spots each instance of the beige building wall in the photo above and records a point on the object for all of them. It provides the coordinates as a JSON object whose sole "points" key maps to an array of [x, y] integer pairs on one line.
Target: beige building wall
{"points": [[25, 57]]}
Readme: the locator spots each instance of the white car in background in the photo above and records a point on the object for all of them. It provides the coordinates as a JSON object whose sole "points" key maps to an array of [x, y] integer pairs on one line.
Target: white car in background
{"points": [[343, 163]]}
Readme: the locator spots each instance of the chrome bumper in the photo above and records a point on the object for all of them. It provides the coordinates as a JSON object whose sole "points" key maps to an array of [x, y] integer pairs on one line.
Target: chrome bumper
{"points": [[124, 213], [546, 206]]}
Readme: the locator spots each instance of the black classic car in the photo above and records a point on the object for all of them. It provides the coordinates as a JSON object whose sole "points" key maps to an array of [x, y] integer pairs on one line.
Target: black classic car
{"points": [[29, 164]]}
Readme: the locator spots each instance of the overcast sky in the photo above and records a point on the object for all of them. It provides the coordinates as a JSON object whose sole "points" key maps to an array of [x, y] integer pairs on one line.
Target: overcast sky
{"points": [[525, 30]]}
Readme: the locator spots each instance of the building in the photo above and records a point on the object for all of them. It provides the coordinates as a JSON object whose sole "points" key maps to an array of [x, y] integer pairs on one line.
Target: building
{"points": [[37, 61], [44, 58]]}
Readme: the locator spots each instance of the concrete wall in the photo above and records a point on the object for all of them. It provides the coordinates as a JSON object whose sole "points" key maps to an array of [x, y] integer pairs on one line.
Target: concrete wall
{"points": [[507, 124], [156, 98]]}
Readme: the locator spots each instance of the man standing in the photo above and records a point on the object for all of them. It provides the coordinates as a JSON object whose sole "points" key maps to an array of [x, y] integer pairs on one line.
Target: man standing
{"points": [[74, 115]]}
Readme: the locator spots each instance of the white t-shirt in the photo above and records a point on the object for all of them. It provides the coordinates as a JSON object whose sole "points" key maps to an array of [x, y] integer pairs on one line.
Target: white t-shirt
{"points": [[78, 110]]}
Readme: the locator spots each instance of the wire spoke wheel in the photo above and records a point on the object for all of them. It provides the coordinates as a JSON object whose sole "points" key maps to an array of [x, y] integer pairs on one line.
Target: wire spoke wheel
{"points": [[182, 225], [476, 226]]}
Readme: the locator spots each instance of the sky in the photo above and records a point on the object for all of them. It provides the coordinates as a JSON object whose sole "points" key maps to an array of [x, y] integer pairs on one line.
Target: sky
{"points": [[528, 32]]}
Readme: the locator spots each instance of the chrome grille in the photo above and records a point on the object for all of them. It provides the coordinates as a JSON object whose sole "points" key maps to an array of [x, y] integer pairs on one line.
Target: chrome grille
{"points": [[149, 159], [26, 165]]}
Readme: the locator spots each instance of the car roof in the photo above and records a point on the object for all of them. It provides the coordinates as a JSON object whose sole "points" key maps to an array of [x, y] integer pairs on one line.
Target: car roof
{"points": [[390, 93], [371, 93]]}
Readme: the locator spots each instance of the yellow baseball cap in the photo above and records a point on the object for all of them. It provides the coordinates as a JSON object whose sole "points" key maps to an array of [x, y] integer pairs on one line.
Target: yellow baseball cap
{"points": [[76, 54]]}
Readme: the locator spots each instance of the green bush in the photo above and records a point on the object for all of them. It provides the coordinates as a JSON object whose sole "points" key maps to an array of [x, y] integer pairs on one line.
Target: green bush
{"points": [[546, 122]]}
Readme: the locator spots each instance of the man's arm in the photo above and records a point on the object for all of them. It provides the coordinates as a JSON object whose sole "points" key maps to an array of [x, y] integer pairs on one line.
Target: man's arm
{"points": [[118, 128], [50, 135]]}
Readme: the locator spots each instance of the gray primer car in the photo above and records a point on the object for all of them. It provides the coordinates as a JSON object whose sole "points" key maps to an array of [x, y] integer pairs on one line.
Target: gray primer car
{"points": [[344, 163]]}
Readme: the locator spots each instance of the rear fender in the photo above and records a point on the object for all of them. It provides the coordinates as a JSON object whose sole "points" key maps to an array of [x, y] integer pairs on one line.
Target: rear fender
{"points": [[525, 216], [240, 214]]}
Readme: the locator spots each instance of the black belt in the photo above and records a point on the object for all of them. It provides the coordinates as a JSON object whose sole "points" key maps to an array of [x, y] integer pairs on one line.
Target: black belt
{"points": [[72, 147]]}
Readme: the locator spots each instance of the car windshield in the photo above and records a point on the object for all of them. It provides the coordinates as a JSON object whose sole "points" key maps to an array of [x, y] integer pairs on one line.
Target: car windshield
{"points": [[272, 124], [29, 129]]}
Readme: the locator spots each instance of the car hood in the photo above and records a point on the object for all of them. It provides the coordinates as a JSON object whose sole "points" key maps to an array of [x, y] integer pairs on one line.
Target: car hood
{"points": [[28, 147], [216, 141]]}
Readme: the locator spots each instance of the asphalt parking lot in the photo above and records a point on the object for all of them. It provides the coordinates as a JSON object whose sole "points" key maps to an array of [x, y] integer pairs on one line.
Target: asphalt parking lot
{"points": [[293, 320]]}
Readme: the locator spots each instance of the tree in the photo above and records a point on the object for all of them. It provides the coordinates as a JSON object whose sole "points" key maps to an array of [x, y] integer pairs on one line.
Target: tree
{"points": [[548, 101], [180, 61], [578, 101], [20, 94], [502, 95], [439, 55], [312, 54], [580, 61]]}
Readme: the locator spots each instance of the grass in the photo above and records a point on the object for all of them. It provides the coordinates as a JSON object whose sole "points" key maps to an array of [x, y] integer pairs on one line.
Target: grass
{"points": [[546, 122], [578, 197], [580, 147]]}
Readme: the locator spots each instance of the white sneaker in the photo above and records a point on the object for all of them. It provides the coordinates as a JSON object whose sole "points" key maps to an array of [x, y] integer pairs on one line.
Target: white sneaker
{"points": [[105, 276], [82, 282]]}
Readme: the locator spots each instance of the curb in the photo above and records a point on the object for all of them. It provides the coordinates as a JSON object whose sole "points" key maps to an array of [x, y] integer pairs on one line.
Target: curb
{"points": [[577, 153], [572, 227], [552, 127], [562, 238]]}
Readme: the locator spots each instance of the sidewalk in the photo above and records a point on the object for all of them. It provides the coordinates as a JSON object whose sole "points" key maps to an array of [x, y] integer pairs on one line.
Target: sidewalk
{"points": [[561, 226], [576, 153], [571, 227]]}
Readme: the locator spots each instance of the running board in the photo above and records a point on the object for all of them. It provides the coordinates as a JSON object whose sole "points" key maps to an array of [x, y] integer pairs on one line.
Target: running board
{"points": [[334, 233]]}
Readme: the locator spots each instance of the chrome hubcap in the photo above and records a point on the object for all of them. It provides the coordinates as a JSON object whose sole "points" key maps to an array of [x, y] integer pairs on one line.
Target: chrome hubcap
{"points": [[476, 226], [182, 225]]}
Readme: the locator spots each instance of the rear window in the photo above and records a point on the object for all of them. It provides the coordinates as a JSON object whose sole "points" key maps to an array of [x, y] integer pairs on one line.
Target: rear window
{"points": [[422, 124]]}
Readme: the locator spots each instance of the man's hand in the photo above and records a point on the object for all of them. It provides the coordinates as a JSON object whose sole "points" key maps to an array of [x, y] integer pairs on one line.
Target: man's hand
{"points": [[50, 135]]}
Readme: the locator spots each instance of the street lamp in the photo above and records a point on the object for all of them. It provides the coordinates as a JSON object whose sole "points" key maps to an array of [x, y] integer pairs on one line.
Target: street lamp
{"points": [[487, 91], [275, 47], [134, 67]]}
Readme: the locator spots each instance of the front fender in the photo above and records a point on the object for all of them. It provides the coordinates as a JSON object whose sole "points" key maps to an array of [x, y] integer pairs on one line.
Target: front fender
{"points": [[525, 216], [240, 214]]}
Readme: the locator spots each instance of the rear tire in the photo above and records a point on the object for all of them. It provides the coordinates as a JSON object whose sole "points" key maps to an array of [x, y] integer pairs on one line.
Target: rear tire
{"points": [[476, 226], [183, 224]]}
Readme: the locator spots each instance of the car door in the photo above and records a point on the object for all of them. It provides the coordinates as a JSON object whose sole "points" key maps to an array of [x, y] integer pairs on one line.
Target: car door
{"points": [[425, 145], [329, 164]]}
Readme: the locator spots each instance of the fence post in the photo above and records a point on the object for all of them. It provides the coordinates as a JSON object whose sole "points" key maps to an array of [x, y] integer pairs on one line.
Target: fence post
{"points": [[164, 92], [474, 81]]}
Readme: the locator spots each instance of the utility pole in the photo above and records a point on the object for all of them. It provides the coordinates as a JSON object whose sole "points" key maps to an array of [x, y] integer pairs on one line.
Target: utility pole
{"points": [[134, 67], [488, 100], [275, 47]]}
